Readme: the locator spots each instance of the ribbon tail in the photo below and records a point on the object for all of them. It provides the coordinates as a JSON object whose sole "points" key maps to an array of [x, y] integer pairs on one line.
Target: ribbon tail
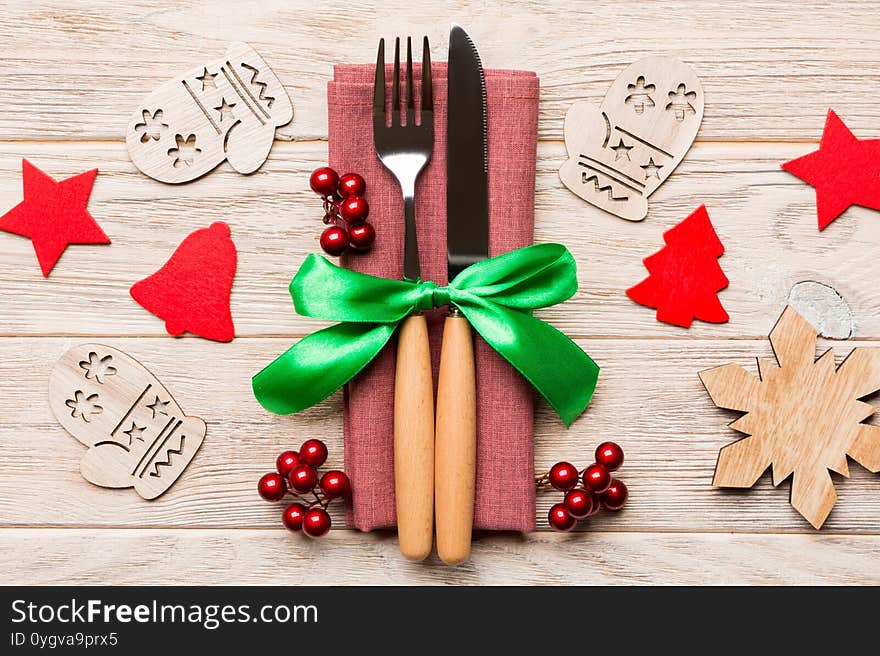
{"points": [[553, 364], [318, 365]]}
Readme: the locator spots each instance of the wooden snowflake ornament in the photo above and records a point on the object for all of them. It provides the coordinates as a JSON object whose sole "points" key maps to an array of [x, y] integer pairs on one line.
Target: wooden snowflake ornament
{"points": [[804, 416]]}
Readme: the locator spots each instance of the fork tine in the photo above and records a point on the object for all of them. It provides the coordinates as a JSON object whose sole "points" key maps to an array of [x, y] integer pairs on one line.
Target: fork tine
{"points": [[395, 86], [379, 86], [427, 91], [410, 96]]}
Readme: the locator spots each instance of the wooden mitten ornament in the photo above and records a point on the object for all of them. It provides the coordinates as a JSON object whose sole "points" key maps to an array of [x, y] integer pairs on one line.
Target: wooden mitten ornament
{"points": [[621, 151], [136, 433], [191, 291], [225, 109], [804, 416]]}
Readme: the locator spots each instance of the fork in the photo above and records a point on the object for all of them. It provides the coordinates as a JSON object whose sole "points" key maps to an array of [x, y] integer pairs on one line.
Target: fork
{"points": [[405, 150]]}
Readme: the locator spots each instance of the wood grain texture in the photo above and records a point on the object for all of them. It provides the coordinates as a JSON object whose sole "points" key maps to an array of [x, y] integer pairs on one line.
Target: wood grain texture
{"points": [[414, 439], [83, 556], [770, 71], [455, 460], [803, 416], [764, 216], [671, 437], [74, 71]]}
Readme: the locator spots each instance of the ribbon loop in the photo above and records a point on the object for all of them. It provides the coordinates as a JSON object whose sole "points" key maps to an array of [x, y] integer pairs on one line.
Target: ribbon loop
{"points": [[495, 295]]}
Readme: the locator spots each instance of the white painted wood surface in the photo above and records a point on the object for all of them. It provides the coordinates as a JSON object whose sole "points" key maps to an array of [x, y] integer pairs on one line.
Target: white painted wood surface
{"points": [[71, 73], [216, 557]]}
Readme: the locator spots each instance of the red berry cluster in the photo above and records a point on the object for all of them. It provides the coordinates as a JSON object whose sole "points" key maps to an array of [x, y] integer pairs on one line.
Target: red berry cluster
{"points": [[599, 488], [345, 211], [297, 474]]}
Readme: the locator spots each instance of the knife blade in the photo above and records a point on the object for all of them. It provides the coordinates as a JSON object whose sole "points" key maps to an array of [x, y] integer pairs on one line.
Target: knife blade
{"points": [[467, 156], [467, 242]]}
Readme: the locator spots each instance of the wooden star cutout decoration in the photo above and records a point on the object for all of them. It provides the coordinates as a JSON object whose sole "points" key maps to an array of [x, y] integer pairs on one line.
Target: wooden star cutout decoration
{"points": [[53, 214], [845, 171], [804, 416], [207, 79]]}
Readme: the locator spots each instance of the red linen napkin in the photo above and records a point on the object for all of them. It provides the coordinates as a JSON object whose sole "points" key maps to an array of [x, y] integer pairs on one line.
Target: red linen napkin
{"points": [[505, 486]]}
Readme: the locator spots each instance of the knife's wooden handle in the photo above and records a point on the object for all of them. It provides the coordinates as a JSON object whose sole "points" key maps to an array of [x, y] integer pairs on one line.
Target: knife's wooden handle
{"points": [[456, 442], [414, 439]]}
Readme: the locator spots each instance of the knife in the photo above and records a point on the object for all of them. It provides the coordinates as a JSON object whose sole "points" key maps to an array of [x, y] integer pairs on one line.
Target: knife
{"points": [[467, 241]]}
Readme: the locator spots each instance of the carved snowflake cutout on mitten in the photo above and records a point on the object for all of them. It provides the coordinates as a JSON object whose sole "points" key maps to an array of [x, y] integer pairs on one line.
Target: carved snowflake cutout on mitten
{"points": [[98, 367], [151, 127], [804, 416]]}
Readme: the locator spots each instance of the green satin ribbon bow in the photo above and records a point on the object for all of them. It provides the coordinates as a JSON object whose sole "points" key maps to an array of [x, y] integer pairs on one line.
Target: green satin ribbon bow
{"points": [[496, 296]]}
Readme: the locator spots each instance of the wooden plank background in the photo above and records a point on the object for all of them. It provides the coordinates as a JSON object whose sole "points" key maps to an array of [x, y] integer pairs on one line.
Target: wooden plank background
{"points": [[72, 71]]}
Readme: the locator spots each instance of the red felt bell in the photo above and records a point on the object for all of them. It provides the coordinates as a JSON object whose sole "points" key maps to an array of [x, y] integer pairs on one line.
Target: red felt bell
{"points": [[191, 291]]}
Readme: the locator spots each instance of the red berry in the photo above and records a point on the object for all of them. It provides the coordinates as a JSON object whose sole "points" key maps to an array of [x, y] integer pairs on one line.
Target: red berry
{"points": [[303, 478], [316, 523], [609, 455], [563, 476], [578, 503], [597, 478], [272, 487], [293, 516], [313, 452], [615, 496], [597, 504], [324, 181], [334, 240], [286, 462], [361, 237], [560, 519], [335, 484], [351, 184], [354, 209]]}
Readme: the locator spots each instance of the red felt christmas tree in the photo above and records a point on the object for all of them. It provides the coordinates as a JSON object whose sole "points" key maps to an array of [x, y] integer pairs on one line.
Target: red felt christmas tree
{"points": [[685, 276], [191, 291]]}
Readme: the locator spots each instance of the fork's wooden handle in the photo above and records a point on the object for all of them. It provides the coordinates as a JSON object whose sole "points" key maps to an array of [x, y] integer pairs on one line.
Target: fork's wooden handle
{"points": [[414, 439], [456, 440]]}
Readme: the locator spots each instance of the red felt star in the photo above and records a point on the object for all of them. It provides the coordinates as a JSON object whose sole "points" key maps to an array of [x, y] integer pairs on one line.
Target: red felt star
{"points": [[53, 214], [845, 171]]}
